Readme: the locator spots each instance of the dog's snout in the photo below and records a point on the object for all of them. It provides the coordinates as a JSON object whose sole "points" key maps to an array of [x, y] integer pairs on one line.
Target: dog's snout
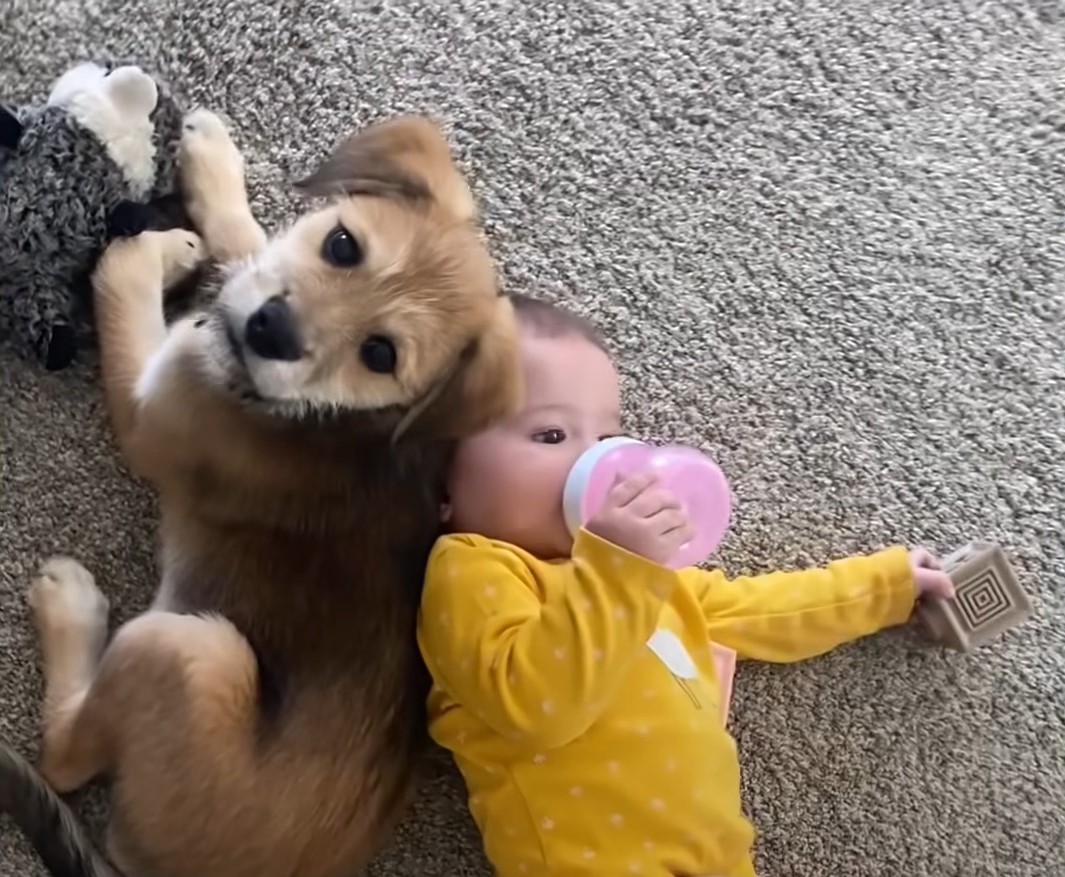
{"points": [[271, 331]]}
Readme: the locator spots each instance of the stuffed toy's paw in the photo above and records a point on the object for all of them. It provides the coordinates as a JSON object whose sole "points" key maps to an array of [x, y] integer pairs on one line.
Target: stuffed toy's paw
{"points": [[128, 219], [10, 129], [57, 349]]}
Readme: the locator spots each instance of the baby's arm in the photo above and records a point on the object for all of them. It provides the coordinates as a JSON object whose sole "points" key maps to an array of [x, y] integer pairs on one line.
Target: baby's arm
{"points": [[791, 616], [537, 668]]}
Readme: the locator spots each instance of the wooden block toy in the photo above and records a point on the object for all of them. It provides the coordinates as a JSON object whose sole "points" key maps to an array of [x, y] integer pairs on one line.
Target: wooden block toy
{"points": [[988, 598]]}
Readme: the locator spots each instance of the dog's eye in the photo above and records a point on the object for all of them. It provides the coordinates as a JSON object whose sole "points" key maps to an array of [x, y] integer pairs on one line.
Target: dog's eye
{"points": [[341, 249], [378, 354]]}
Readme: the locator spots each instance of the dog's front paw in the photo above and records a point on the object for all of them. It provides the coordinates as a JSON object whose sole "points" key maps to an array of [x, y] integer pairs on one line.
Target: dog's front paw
{"points": [[181, 252], [152, 260], [212, 168]]}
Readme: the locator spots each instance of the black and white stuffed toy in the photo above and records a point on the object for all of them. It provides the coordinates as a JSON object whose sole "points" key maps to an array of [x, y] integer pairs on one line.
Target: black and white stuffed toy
{"points": [[98, 160]]}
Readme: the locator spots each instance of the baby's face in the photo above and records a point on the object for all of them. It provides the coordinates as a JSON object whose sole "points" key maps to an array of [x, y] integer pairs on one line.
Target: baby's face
{"points": [[507, 483]]}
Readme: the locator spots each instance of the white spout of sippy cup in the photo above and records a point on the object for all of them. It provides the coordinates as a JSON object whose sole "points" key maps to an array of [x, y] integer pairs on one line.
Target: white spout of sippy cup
{"points": [[577, 480]]}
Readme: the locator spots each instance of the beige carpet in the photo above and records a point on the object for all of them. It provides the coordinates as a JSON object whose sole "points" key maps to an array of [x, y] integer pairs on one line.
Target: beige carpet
{"points": [[828, 240]]}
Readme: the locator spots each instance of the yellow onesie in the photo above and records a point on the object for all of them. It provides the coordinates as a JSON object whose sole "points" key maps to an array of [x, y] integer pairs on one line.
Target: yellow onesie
{"points": [[580, 701]]}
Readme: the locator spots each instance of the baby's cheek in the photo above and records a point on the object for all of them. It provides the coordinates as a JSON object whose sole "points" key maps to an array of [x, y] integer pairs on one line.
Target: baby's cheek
{"points": [[520, 495], [546, 481]]}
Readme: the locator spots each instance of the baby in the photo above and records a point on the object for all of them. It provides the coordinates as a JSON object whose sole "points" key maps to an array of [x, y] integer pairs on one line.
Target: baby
{"points": [[573, 679]]}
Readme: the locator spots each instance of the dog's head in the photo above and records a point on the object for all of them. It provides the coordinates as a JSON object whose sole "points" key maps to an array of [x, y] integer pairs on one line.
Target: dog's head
{"points": [[385, 300]]}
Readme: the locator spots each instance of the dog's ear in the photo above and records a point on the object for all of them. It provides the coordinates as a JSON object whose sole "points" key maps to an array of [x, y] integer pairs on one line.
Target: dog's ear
{"points": [[407, 157], [10, 129], [485, 386]]}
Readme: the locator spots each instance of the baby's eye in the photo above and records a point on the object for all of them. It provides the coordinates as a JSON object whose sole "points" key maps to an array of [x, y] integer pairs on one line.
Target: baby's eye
{"points": [[550, 436]]}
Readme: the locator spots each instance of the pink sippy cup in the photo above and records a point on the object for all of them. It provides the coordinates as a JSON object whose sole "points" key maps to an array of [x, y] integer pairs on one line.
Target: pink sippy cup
{"points": [[694, 478]]}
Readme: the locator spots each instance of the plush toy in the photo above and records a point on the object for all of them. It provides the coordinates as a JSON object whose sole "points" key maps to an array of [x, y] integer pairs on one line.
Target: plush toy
{"points": [[99, 159]]}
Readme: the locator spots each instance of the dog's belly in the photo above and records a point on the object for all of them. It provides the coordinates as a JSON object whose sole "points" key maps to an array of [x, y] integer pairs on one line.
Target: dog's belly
{"points": [[308, 635]]}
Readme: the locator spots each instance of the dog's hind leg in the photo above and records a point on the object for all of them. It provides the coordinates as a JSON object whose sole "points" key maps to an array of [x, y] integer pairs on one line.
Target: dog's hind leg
{"points": [[212, 179], [169, 711], [71, 617]]}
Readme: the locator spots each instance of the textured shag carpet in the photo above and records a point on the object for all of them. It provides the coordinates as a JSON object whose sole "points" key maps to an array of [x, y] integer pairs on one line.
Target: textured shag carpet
{"points": [[828, 240]]}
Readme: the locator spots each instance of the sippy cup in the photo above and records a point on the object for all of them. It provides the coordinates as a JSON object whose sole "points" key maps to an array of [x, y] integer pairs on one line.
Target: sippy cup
{"points": [[695, 479]]}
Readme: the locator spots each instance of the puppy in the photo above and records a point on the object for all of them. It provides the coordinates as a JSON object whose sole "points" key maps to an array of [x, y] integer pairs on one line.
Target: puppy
{"points": [[264, 716]]}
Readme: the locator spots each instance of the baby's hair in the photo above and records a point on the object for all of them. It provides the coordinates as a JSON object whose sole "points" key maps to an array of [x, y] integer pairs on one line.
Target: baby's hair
{"points": [[550, 320]]}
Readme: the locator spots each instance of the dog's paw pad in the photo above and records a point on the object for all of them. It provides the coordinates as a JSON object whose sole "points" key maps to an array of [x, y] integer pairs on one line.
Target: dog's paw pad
{"points": [[64, 598], [181, 245], [182, 252]]}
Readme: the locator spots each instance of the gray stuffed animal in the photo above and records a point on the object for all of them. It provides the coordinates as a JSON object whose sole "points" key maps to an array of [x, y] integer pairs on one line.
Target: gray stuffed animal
{"points": [[98, 160]]}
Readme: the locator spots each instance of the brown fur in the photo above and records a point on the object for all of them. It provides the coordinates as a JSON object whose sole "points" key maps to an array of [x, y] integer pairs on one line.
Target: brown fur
{"points": [[264, 717]]}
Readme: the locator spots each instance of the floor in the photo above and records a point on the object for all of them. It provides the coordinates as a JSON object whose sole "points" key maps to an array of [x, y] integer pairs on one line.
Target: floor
{"points": [[826, 240]]}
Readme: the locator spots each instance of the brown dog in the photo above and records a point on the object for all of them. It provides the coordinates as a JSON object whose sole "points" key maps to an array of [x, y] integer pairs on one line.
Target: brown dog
{"points": [[262, 719]]}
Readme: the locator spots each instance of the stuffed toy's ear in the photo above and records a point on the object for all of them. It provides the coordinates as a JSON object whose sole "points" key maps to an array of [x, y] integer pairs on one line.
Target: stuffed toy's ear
{"points": [[10, 129]]}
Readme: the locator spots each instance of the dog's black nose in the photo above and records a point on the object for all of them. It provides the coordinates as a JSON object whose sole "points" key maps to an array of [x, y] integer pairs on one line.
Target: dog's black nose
{"points": [[271, 332]]}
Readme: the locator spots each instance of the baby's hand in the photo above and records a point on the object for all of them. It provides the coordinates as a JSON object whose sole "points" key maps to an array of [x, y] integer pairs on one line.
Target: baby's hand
{"points": [[928, 575], [641, 516]]}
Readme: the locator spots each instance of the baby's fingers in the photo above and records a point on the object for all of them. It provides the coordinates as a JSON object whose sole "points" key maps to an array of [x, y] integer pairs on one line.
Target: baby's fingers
{"points": [[934, 583], [922, 558], [653, 502], [672, 522], [628, 487]]}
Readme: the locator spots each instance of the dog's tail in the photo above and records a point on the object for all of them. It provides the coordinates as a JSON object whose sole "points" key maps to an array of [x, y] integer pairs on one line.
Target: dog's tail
{"points": [[47, 821]]}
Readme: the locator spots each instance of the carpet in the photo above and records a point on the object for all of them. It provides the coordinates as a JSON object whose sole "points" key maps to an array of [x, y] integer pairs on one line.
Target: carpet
{"points": [[827, 241]]}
